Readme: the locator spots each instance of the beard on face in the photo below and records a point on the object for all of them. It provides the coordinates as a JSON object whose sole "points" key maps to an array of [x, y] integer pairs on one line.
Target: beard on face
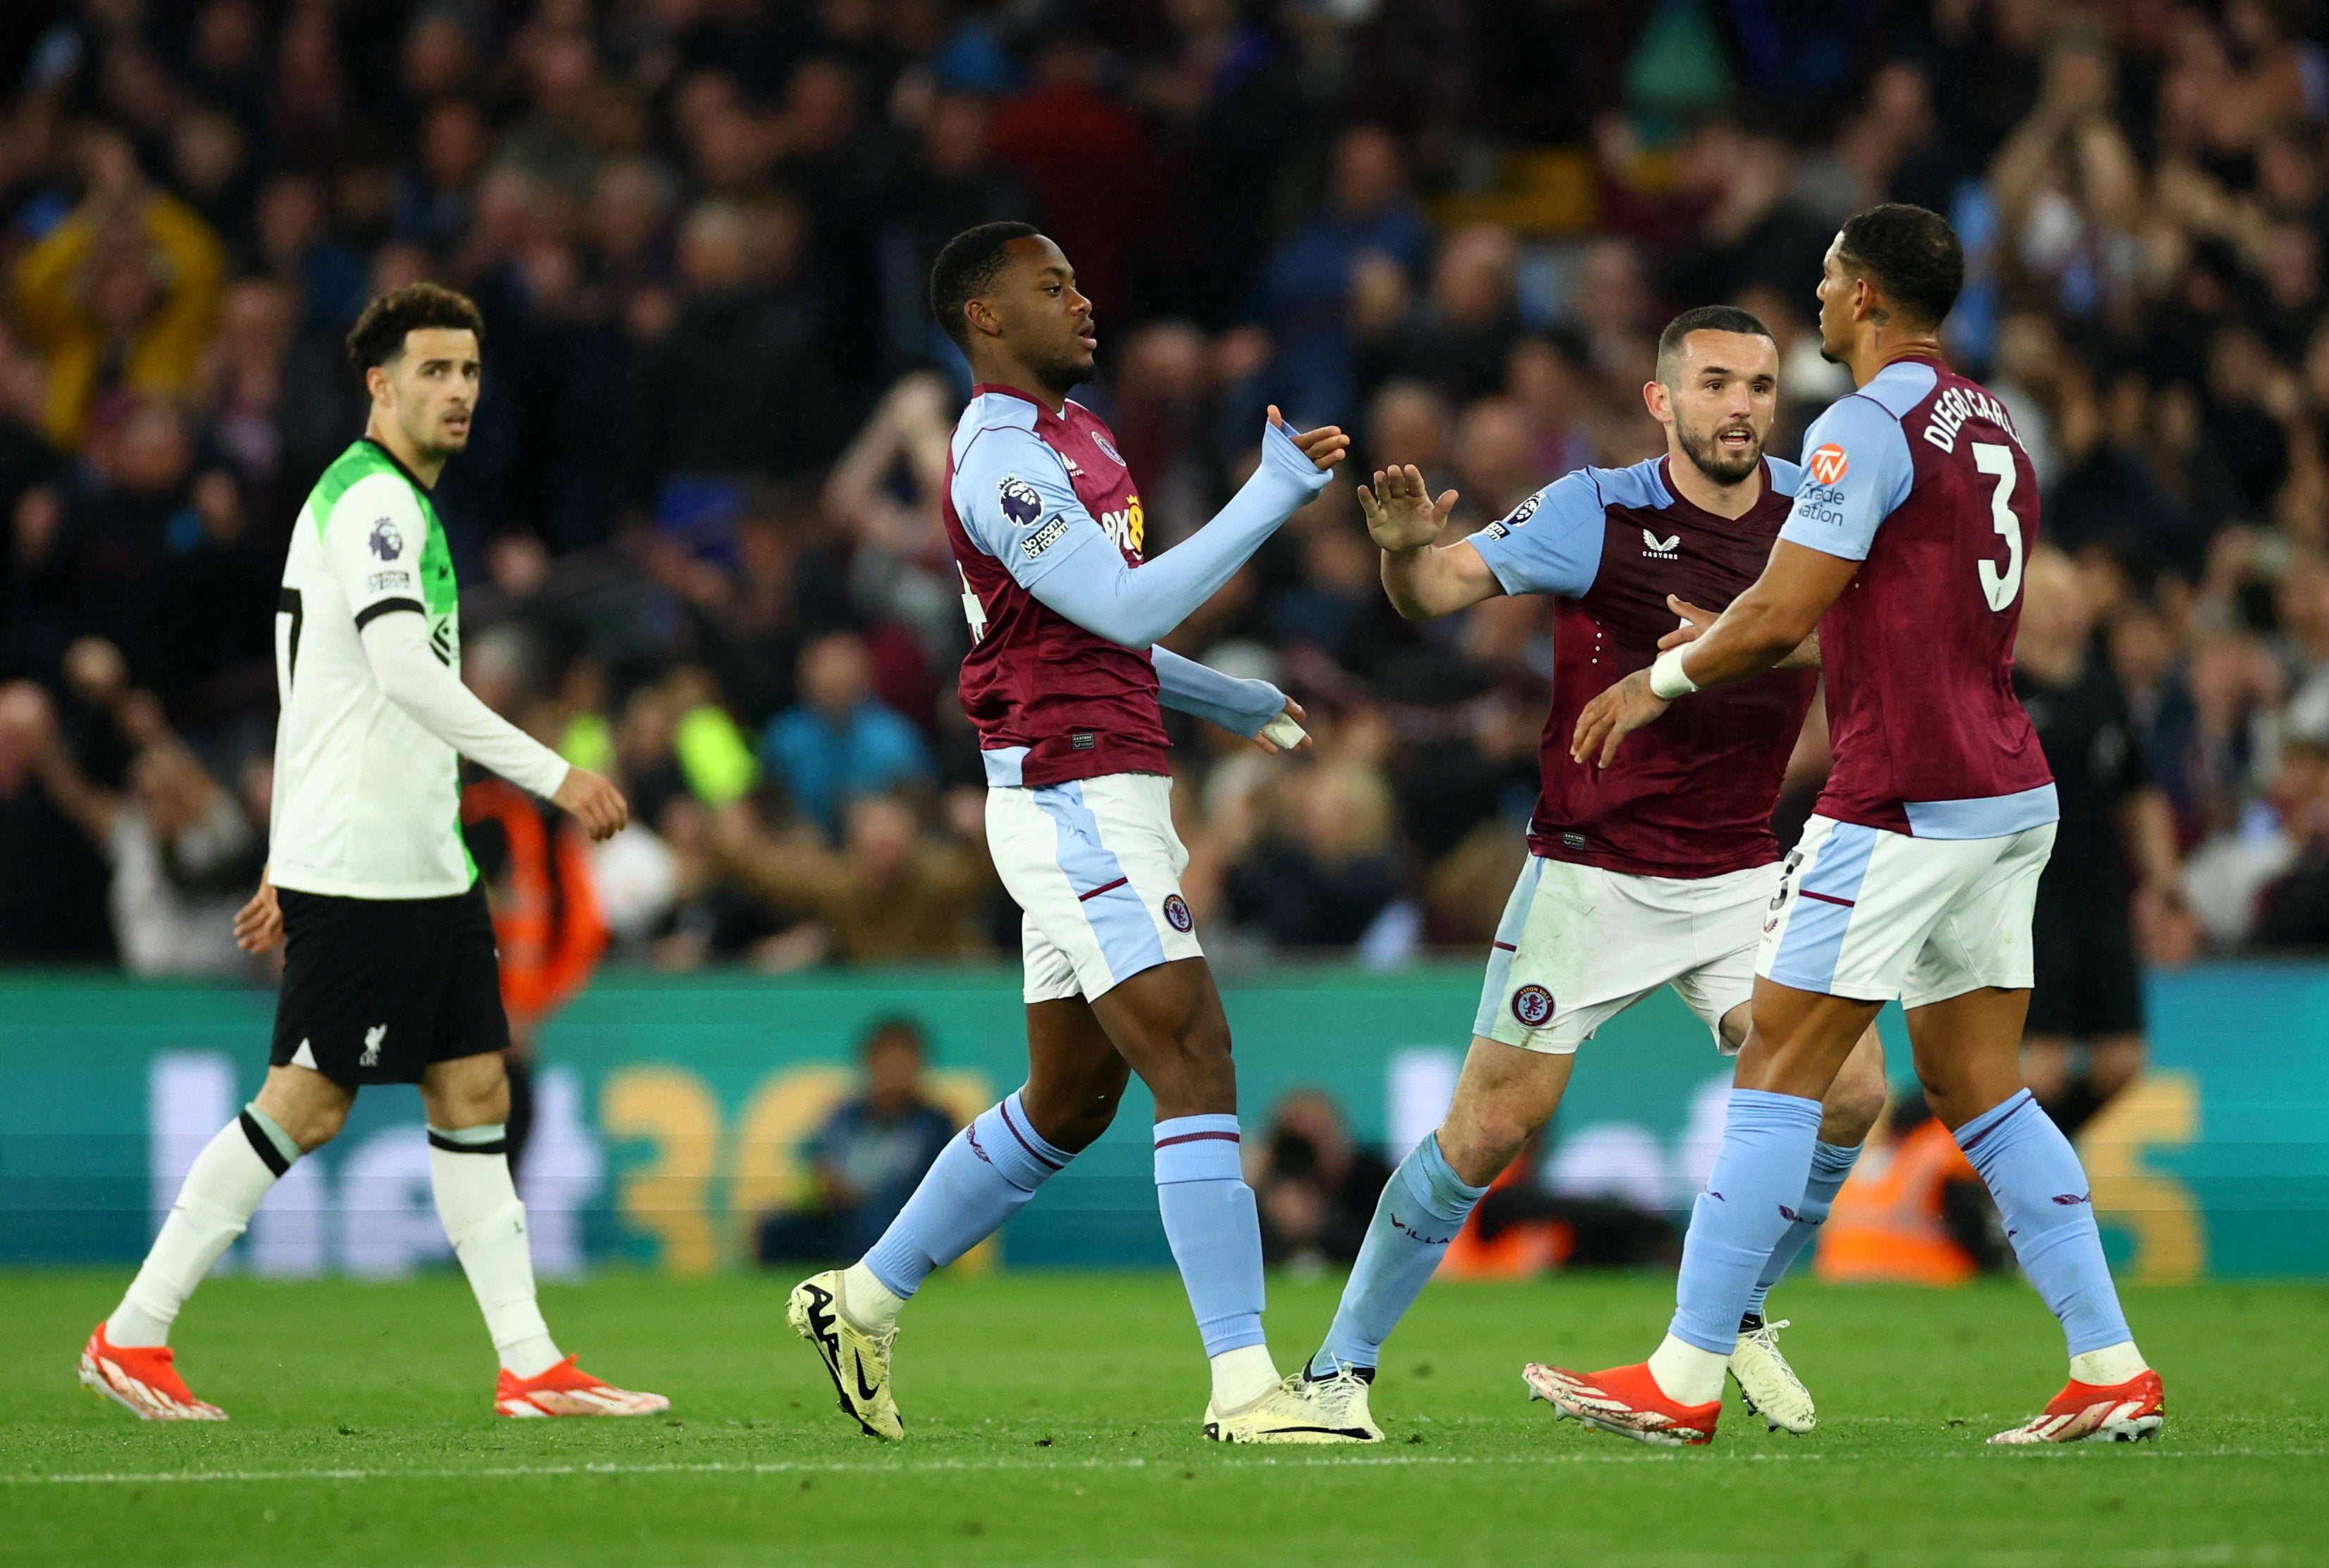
{"points": [[1718, 462]]}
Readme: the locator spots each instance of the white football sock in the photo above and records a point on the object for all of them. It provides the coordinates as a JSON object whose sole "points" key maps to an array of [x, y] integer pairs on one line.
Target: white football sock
{"points": [[1242, 1376], [1687, 1374], [2113, 1364], [869, 1303], [222, 1189], [484, 1220]]}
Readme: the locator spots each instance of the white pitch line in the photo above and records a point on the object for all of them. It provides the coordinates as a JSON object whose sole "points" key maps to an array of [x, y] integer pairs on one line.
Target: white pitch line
{"points": [[936, 1466]]}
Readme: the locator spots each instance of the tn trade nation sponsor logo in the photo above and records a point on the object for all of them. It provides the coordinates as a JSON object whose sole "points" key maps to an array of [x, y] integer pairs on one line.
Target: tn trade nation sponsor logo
{"points": [[1828, 464], [1532, 1005]]}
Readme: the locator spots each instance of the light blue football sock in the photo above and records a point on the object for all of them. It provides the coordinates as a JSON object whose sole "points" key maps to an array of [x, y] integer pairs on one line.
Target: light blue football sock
{"points": [[978, 1181], [2041, 1193], [1215, 1230], [1831, 1164], [1422, 1207], [1749, 1201]]}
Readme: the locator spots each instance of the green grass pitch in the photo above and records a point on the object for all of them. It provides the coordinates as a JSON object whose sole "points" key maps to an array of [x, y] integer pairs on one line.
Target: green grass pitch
{"points": [[1052, 1419]]}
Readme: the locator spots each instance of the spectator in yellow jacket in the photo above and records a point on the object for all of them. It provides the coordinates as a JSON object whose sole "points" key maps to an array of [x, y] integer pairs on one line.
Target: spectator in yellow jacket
{"points": [[125, 291]]}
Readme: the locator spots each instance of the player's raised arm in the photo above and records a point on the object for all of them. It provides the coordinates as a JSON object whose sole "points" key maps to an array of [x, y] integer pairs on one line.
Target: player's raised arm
{"points": [[1421, 577], [1549, 543], [1015, 501]]}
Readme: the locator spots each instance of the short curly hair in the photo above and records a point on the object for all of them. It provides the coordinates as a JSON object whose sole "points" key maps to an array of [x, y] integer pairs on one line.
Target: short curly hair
{"points": [[968, 268], [378, 335], [1910, 253]]}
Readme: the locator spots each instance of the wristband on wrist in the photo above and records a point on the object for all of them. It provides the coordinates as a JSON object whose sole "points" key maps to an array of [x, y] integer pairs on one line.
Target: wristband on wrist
{"points": [[1668, 679]]}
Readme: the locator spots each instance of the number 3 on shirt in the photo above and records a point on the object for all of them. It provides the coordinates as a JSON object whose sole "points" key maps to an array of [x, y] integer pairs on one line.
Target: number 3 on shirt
{"points": [[2001, 586]]}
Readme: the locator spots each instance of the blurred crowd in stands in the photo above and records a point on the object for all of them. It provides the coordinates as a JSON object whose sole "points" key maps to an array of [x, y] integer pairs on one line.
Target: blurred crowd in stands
{"points": [[697, 527]]}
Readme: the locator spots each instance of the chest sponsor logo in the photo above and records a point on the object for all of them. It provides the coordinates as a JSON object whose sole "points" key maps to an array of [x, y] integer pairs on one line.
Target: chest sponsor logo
{"points": [[1048, 534], [1656, 549], [1128, 527], [1519, 514], [1108, 452], [1021, 502], [1828, 464], [386, 541]]}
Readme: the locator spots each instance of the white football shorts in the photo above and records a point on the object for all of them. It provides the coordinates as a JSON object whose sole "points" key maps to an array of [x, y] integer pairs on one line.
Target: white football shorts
{"points": [[1579, 945], [1878, 916], [1094, 867]]}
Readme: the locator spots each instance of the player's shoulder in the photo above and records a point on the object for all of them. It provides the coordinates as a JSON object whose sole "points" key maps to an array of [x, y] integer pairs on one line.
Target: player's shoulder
{"points": [[996, 432], [377, 501], [1585, 496], [1892, 393], [1639, 486], [1785, 478], [1869, 420]]}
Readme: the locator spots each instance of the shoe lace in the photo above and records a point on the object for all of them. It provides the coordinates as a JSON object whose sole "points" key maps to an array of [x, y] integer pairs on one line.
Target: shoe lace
{"points": [[1768, 1337], [1337, 1393]]}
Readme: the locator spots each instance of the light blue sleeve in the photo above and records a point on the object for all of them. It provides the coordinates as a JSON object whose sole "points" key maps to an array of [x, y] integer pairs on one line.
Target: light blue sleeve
{"points": [[1239, 706], [1026, 516], [1856, 469], [1015, 501], [1550, 543]]}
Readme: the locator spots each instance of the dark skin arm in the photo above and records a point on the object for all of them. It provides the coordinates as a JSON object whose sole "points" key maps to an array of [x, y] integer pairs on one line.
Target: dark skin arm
{"points": [[1696, 620], [1762, 626]]}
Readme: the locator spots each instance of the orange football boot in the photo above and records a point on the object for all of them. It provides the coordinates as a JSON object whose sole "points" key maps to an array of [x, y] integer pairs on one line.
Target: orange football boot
{"points": [[567, 1389], [141, 1380], [1624, 1399], [2124, 1412]]}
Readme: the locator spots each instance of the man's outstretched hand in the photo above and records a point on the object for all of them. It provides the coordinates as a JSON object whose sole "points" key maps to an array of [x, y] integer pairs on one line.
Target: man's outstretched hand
{"points": [[1616, 714], [594, 803], [1325, 446], [1274, 743], [1401, 517]]}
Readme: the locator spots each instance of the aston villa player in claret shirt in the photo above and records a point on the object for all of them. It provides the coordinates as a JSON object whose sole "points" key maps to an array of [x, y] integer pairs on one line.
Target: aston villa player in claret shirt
{"points": [[1917, 876], [1064, 684], [1658, 871]]}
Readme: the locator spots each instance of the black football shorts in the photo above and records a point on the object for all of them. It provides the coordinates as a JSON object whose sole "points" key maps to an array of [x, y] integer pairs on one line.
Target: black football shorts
{"points": [[374, 990]]}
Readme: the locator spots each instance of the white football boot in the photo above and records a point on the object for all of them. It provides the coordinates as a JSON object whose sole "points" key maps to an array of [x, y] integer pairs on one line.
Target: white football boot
{"points": [[1342, 1398], [1291, 1411], [857, 1360], [1768, 1385]]}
